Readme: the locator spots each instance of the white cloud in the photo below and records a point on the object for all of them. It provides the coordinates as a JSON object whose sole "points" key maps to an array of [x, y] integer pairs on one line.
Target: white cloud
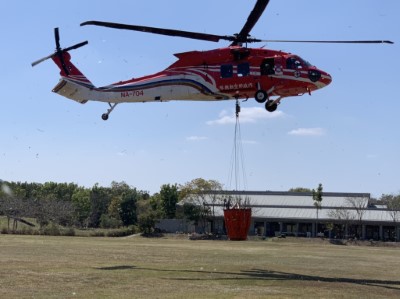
{"points": [[196, 138], [307, 132], [247, 115]]}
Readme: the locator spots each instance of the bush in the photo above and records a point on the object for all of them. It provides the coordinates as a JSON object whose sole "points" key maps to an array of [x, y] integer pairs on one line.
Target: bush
{"points": [[51, 230], [26, 231], [69, 232], [109, 222], [134, 229], [97, 234], [4, 231], [123, 232], [116, 233]]}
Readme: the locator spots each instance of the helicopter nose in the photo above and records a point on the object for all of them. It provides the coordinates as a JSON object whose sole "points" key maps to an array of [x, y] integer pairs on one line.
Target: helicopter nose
{"points": [[319, 77], [326, 78]]}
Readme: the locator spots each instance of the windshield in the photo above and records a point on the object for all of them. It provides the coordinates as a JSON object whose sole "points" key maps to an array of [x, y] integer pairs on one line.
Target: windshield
{"points": [[305, 62], [295, 62]]}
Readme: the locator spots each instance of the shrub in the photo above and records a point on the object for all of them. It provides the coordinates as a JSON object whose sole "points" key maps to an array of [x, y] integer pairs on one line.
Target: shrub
{"points": [[109, 222], [97, 234], [133, 229], [116, 233], [51, 230], [123, 232], [26, 231], [69, 232]]}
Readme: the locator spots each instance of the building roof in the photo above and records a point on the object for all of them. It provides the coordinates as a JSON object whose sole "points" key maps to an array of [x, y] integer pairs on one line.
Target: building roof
{"points": [[280, 206]]}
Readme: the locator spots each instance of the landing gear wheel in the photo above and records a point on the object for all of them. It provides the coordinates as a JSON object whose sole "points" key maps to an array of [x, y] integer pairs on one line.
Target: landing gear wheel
{"points": [[261, 96], [104, 116], [270, 106]]}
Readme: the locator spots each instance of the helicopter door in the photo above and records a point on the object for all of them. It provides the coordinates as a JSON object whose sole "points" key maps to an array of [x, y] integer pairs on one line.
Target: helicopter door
{"points": [[267, 67]]}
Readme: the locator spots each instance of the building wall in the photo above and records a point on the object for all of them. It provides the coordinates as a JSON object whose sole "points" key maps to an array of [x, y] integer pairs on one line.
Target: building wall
{"points": [[175, 226], [294, 213], [331, 229]]}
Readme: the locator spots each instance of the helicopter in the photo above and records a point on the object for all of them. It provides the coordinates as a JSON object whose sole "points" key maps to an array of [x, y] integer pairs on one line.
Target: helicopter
{"points": [[236, 72]]}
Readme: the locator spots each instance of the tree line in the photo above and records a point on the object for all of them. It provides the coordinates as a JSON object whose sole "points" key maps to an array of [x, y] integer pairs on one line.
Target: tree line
{"points": [[119, 205], [68, 204]]}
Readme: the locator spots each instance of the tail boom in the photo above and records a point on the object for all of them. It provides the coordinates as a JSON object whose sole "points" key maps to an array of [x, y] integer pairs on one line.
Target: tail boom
{"points": [[72, 90]]}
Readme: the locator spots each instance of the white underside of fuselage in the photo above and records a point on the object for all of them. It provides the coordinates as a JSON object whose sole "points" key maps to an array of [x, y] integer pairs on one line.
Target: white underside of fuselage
{"points": [[164, 88]]}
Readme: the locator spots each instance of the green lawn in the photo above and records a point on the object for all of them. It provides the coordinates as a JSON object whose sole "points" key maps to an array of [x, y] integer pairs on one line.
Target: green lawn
{"points": [[136, 267]]}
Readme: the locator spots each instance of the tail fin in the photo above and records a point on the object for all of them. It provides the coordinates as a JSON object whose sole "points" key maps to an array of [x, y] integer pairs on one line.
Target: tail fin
{"points": [[73, 84], [69, 70]]}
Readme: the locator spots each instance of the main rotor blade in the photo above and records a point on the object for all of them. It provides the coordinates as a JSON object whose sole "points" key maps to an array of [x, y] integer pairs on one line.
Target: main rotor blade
{"points": [[163, 31], [251, 21], [331, 41]]}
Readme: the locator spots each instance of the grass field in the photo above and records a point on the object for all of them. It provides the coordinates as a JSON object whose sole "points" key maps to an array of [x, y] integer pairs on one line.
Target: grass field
{"points": [[172, 267]]}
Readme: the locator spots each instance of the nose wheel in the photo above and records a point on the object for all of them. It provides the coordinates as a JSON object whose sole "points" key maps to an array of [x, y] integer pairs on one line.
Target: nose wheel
{"points": [[261, 96], [104, 116], [271, 106]]}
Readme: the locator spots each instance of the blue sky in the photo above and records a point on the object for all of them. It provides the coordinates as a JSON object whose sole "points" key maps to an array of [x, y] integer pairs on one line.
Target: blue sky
{"points": [[345, 136]]}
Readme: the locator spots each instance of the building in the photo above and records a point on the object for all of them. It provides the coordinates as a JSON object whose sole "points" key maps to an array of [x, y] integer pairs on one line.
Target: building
{"points": [[341, 215]]}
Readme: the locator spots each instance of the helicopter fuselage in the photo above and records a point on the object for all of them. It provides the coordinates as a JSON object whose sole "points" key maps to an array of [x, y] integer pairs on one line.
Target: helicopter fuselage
{"points": [[228, 73]]}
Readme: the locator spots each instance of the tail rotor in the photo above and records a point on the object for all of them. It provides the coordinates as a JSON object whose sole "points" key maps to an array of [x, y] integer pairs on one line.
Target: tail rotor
{"points": [[59, 51]]}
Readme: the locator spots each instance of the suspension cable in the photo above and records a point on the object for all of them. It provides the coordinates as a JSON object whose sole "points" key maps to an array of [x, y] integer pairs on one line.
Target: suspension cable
{"points": [[237, 168]]}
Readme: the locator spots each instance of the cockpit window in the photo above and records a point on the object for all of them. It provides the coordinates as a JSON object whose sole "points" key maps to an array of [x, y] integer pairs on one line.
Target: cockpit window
{"points": [[293, 63], [296, 63], [306, 63]]}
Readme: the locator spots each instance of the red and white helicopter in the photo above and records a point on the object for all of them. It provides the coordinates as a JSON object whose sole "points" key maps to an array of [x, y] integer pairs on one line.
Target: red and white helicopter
{"points": [[234, 72]]}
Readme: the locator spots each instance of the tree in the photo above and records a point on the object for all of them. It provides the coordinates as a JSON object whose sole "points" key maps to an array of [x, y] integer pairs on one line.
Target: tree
{"points": [[192, 212], [317, 198], [300, 189], [12, 206], [49, 210], [81, 202], [48, 202], [128, 208], [100, 199], [344, 215], [112, 219], [393, 205], [148, 213], [124, 202], [169, 196], [359, 204], [196, 194], [59, 191]]}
